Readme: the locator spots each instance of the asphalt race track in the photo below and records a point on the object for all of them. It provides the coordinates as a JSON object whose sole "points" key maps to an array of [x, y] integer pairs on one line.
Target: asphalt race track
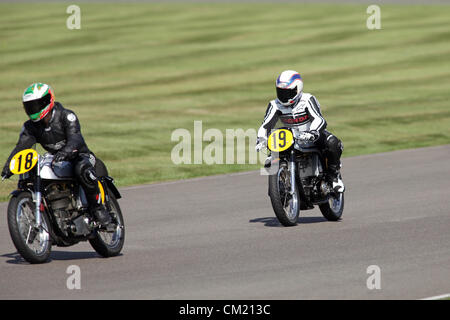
{"points": [[218, 238]]}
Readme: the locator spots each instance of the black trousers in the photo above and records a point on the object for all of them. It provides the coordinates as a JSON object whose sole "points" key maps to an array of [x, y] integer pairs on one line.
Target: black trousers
{"points": [[332, 148], [88, 169]]}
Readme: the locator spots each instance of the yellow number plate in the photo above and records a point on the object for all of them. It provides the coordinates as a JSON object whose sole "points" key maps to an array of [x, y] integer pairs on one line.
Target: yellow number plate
{"points": [[280, 140], [23, 161]]}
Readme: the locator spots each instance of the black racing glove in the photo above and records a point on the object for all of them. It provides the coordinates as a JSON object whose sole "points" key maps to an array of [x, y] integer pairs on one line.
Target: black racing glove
{"points": [[6, 173], [60, 156]]}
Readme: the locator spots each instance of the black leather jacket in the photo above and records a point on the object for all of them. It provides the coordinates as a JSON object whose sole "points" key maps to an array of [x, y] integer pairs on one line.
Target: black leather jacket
{"points": [[61, 134]]}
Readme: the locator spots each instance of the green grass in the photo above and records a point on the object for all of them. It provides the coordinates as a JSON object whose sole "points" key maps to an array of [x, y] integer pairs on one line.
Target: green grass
{"points": [[135, 72]]}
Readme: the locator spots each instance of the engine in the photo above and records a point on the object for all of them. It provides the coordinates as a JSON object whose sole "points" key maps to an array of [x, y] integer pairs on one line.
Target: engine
{"points": [[309, 166], [60, 199], [311, 174]]}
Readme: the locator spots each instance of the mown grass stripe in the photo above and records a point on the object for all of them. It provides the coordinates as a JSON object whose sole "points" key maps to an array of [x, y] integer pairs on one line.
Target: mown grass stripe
{"points": [[135, 72]]}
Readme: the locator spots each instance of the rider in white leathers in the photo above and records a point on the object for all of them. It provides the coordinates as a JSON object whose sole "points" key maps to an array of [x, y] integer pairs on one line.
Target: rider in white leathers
{"points": [[301, 110]]}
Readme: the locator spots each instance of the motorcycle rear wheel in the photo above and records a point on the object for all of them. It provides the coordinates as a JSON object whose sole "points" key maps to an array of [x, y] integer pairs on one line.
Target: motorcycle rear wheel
{"points": [[109, 244], [333, 209]]}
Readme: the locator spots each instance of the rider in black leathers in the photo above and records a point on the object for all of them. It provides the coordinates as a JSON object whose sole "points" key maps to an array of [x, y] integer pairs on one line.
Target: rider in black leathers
{"points": [[58, 131]]}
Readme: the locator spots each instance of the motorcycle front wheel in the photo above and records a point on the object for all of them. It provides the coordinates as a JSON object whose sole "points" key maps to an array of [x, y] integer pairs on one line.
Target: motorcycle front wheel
{"points": [[285, 205], [33, 244]]}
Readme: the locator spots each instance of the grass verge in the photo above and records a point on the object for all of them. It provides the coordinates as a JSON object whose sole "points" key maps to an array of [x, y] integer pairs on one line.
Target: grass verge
{"points": [[135, 72]]}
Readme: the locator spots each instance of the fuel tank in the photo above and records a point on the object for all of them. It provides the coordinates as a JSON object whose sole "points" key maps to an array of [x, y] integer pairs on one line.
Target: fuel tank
{"points": [[59, 171]]}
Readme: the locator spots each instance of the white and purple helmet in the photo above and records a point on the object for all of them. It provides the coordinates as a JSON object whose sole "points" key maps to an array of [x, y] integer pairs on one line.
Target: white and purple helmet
{"points": [[289, 87]]}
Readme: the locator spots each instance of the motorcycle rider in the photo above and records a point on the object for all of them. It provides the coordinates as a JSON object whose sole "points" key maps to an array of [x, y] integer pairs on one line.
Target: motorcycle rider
{"points": [[58, 131], [296, 108]]}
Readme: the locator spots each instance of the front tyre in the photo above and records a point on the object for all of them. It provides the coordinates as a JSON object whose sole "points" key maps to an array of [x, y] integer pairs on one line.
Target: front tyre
{"points": [[285, 205], [110, 243], [33, 244], [333, 209]]}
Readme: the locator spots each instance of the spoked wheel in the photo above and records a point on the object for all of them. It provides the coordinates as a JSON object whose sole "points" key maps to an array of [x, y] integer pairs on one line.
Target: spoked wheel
{"points": [[285, 205], [33, 244], [110, 243], [333, 209]]}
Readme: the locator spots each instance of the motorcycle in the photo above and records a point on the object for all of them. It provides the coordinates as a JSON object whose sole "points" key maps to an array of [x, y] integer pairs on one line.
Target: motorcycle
{"points": [[298, 178], [50, 208]]}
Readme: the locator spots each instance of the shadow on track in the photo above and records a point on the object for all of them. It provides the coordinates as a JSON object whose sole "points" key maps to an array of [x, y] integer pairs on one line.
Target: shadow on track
{"points": [[273, 221], [15, 257]]}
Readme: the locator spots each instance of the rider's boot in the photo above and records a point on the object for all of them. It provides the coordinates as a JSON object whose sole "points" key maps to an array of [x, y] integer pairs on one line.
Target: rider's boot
{"points": [[336, 178], [90, 183], [268, 161], [99, 211]]}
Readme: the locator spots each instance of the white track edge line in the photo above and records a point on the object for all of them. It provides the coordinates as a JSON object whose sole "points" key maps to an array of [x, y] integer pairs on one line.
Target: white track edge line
{"points": [[442, 296]]}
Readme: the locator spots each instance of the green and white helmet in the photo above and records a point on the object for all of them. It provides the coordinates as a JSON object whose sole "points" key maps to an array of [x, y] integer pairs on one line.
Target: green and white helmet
{"points": [[38, 99]]}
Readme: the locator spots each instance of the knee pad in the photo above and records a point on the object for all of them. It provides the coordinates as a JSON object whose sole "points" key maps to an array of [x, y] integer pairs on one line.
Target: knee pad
{"points": [[86, 175], [334, 145], [89, 176]]}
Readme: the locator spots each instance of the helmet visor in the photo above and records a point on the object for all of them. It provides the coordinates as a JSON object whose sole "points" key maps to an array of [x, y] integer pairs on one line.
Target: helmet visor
{"points": [[284, 95], [35, 106]]}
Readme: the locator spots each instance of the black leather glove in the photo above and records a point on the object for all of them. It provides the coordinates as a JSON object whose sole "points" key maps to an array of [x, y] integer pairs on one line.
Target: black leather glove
{"points": [[6, 173], [60, 156]]}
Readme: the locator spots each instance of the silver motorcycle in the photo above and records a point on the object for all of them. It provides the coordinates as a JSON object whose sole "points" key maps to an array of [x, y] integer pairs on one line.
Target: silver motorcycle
{"points": [[298, 178], [50, 208]]}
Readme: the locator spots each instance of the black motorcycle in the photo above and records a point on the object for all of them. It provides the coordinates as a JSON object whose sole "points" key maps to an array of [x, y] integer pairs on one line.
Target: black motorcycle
{"points": [[298, 178], [50, 208]]}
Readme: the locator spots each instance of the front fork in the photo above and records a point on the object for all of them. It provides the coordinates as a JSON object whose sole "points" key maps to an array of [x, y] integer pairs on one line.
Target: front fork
{"points": [[38, 196], [292, 170]]}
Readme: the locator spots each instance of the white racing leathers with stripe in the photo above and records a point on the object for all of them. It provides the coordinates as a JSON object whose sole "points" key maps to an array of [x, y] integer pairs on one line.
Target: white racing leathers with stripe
{"points": [[304, 116]]}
